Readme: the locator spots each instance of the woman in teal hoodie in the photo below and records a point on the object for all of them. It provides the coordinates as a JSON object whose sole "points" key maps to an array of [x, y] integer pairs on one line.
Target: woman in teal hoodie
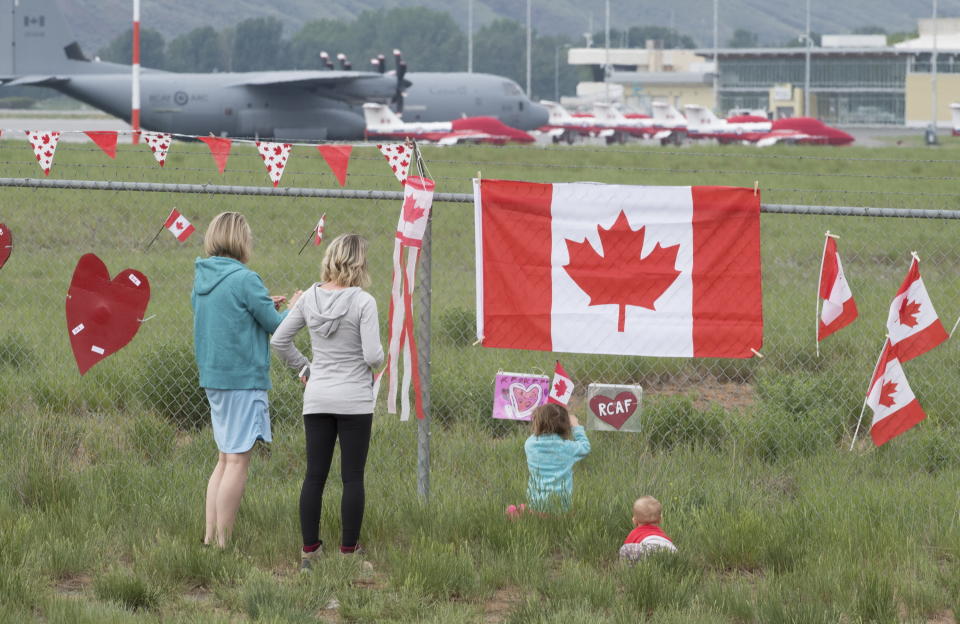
{"points": [[233, 317]]}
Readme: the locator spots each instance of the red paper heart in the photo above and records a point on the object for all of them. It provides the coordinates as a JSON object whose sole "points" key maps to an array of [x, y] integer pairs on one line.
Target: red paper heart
{"points": [[6, 244], [614, 411], [103, 315]]}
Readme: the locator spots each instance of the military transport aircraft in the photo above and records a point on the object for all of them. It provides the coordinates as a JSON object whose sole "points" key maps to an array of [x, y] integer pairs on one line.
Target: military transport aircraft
{"points": [[37, 49]]}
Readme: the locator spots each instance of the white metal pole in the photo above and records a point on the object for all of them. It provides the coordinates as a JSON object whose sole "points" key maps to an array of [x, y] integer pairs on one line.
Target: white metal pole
{"points": [[806, 66], [716, 62], [135, 69], [529, 40], [556, 74], [606, 45], [469, 36], [933, 73]]}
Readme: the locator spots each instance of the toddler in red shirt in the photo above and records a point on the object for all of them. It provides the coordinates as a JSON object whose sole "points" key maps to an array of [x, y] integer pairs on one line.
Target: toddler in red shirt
{"points": [[647, 536]]}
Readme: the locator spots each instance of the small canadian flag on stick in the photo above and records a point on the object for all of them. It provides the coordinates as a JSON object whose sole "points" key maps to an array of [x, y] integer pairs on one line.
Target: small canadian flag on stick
{"points": [[179, 226], [912, 323], [318, 233], [561, 389], [895, 407], [838, 307]]}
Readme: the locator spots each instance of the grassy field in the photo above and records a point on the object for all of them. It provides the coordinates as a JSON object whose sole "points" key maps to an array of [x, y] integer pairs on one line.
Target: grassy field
{"points": [[102, 476]]}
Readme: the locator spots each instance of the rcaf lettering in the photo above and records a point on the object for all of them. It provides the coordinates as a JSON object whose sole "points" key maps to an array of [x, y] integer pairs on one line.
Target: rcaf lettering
{"points": [[615, 407]]}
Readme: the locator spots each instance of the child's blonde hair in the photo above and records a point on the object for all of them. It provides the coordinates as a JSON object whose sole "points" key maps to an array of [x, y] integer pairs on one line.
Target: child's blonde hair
{"points": [[345, 261], [551, 418], [229, 235], [647, 510]]}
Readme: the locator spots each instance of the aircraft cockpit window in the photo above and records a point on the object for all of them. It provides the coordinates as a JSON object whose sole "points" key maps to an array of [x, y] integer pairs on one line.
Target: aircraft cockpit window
{"points": [[511, 88], [520, 106]]}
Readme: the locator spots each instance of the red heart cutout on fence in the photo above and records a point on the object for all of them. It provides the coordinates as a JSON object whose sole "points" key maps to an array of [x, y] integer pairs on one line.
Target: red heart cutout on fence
{"points": [[615, 411], [6, 244], [525, 399], [103, 315]]}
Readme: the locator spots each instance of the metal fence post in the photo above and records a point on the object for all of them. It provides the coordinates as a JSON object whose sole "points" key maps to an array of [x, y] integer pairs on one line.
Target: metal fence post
{"points": [[423, 362]]}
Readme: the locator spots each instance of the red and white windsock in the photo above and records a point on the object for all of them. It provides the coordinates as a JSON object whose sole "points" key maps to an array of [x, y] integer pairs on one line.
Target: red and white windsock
{"points": [[561, 389], [895, 407], [135, 71], [912, 323], [838, 308], [178, 225], [318, 232]]}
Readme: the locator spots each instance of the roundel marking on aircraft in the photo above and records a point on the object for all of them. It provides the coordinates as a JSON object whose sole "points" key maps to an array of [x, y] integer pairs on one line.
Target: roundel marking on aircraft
{"points": [[180, 98]]}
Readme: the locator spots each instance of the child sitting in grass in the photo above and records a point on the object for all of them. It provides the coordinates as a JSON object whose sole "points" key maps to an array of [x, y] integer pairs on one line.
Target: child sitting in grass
{"points": [[551, 454], [647, 536]]}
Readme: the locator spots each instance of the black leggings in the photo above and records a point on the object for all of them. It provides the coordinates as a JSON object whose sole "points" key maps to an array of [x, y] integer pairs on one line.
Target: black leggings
{"points": [[322, 431]]}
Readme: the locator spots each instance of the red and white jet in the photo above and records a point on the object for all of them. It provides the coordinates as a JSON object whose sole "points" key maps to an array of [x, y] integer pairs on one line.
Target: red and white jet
{"points": [[383, 123], [562, 126], [703, 124]]}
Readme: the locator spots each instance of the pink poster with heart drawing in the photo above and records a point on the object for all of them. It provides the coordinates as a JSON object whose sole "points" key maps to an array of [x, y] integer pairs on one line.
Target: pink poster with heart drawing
{"points": [[614, 407], [516, 395]]}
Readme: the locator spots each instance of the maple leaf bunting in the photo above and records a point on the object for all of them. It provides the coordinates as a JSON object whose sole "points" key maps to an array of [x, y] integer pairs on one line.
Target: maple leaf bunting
{"points": [[912, 323], [895, 407], [626, 270]]}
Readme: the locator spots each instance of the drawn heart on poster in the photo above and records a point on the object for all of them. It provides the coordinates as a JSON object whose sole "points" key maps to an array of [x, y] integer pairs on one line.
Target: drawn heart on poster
{"points": [[525, 398], [6, 244], [103, 315], [615, 411]]}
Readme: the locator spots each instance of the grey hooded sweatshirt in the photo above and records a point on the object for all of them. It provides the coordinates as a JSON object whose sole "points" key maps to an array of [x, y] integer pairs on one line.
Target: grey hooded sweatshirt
{"points": [[345, 335]]}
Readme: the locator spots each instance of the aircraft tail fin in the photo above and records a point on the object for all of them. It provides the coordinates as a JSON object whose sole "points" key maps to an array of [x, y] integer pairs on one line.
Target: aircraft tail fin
{"points": [[699, 115], [379, 115], [606, 112], [39, 41], [955, 112], [557, 113], [666, 113]]}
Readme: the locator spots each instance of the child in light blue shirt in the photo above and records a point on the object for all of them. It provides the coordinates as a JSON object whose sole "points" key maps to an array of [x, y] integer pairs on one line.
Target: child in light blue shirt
{"points": [[551, 454]]}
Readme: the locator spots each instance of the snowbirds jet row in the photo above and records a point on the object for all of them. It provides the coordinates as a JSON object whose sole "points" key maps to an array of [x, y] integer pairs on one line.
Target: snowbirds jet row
{"points": [[703, 124], [292, 105], [383, 123], [608, 123]]}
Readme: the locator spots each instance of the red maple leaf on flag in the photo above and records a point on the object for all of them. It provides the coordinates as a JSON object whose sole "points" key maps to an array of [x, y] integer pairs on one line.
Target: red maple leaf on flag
{"points": [[886, 394], [560, 388], [178, 225], [908, 312], [620, 276], [411, 211]]}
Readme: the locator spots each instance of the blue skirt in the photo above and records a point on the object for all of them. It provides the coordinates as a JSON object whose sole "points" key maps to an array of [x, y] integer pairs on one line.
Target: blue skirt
{"points": [[240, 418]]}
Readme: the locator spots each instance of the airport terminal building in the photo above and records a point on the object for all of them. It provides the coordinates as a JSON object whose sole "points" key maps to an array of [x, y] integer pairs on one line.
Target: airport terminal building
{"points": [[854, 79]]}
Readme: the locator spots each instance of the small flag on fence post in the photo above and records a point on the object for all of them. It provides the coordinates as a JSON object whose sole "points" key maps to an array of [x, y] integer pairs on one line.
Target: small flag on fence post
{"points": [[318, 232], [179, 226], [561, 389], [838, 307]]}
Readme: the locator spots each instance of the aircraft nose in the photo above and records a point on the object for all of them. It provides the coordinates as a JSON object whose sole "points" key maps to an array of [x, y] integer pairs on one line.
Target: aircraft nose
{"points": [[538, 116]]}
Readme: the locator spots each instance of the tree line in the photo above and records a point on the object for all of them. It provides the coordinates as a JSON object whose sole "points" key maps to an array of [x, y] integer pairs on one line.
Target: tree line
{"points": [[430, 41]]}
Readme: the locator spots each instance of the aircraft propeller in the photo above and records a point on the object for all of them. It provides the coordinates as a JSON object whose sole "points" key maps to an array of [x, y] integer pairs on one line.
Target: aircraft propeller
{"points": [[325, 59], [345, 63], [401, 72]]}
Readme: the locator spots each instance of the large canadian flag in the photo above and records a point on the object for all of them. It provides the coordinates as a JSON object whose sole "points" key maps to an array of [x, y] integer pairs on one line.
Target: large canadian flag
{"points": [[912, 323], [632, 270], [838, 309], [895, 408]]}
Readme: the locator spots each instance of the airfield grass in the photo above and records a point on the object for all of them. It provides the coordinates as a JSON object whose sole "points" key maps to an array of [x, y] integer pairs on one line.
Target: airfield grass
{"points": [[102, 476]]}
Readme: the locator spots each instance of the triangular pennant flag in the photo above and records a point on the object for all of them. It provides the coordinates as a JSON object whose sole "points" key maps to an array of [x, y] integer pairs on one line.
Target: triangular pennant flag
{"points": [[561, 389], [912, 323], [178, 225], [44, 146], [159, 143], [839, 309], [318, 232], [895, 407], [219, 149], [398, 156], [275, 157], [105, 140], [338, 158]]}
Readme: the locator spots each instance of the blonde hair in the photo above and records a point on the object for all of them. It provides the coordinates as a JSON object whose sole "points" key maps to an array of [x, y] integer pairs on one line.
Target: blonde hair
{"points": [[229, 235], [345, 261], [647, 510], [551, 418]]}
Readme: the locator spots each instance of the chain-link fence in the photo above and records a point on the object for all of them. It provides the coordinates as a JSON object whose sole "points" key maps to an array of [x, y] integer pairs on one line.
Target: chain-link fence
{"points": [[789, 403]]}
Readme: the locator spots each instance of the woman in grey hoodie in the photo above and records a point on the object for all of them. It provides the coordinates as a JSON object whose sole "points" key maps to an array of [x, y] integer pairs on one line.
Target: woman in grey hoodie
{"points": [[338, 398]]}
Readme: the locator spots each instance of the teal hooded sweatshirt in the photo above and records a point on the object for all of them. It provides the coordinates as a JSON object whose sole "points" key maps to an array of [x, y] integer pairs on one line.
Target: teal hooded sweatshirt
{"points": [[233, 317]]}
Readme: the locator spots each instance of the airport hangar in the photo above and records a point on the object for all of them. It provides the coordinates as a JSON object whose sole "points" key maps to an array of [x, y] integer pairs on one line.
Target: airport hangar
{"points": [[854, 79]]}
